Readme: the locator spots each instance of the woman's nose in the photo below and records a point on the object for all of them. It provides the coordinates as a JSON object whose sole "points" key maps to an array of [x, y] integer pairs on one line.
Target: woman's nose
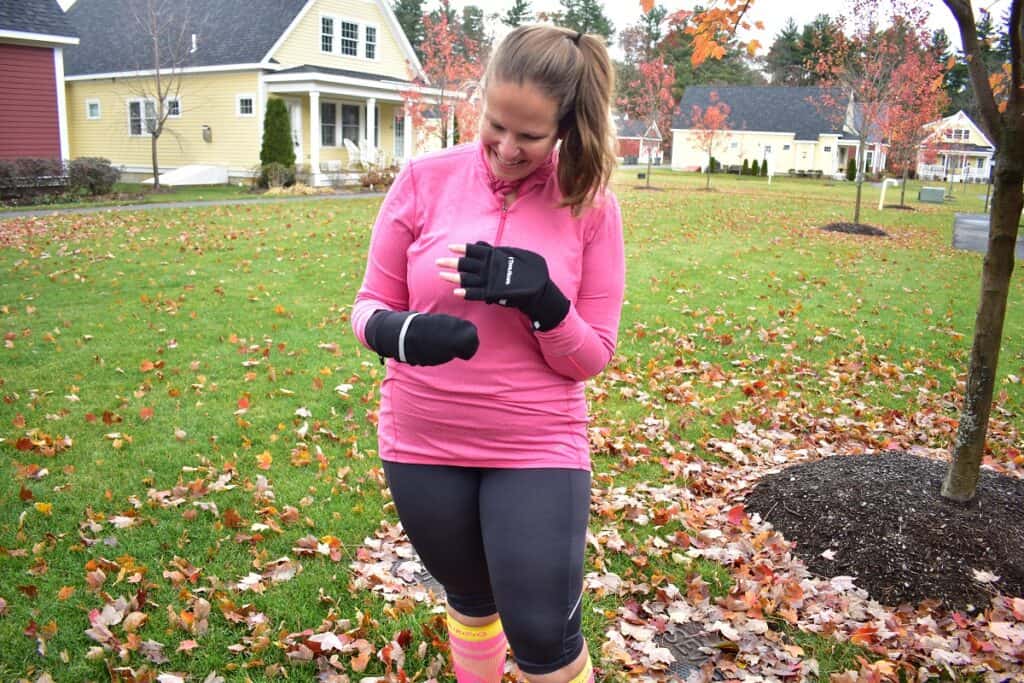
{"points": [[508, 147]]}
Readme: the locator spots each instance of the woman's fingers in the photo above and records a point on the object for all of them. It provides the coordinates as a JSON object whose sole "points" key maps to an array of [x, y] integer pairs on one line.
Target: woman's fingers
{"points": [[451, 277], [458, 248], [452, 263]]}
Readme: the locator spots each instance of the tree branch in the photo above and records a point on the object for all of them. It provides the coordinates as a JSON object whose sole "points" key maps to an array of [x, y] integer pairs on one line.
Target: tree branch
{"points": [[964, 15], [1014, 30]]}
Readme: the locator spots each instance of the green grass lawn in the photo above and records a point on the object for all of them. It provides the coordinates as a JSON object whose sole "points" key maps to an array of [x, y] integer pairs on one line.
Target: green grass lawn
{"points": [[181, 389]]}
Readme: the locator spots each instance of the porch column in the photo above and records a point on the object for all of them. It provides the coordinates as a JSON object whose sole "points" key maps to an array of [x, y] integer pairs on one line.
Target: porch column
{"points": [[371, 123], [407, 140], [451, 128], [314, 137]]}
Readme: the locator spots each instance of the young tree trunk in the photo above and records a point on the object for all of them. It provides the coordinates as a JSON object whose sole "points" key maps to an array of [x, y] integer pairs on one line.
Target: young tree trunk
{"points": [[860, 184], [962, 477], [156, 167], [903, 186], [650, 159], [707, 185]]}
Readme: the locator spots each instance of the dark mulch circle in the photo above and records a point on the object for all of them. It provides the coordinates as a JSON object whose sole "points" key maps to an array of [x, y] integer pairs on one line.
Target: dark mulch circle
{"points": [[652, 189], [882, 520], [855, 229], [900, 207]]}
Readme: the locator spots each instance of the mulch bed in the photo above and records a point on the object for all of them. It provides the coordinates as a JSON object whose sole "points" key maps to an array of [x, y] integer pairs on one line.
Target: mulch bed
{"points": [[855, 229], [881, 519]]}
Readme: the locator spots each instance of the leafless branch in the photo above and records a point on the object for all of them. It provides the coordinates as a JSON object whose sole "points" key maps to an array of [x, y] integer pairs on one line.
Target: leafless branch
{"points": [[963, 12]]}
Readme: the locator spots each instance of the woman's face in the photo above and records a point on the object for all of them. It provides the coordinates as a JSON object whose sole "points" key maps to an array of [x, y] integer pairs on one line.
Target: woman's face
{"points": [[519, 129]]}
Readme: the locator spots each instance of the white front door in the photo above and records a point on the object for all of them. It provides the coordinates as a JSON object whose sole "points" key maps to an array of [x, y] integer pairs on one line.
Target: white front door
{"points": [[295, 116]]}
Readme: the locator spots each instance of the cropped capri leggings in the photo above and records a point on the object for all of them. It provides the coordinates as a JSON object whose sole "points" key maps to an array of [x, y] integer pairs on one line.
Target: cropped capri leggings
{"points": [[509, 541]]}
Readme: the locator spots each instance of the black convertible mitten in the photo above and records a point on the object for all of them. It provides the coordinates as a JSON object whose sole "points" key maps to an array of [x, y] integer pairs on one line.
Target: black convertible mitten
{"points": [[513, 277], [421, 338]]}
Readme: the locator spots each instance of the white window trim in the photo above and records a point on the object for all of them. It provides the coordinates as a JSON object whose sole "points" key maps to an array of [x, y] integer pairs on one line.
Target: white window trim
{"points": [[376, 44], [337, 124], [128, 107], [167, 106], [99, 109], [334, 36], [361, 26], [238, 105]]}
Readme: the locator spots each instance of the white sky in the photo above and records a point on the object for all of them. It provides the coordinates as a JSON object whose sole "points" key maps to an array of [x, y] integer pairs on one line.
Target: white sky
{"points": [[773, 13]]}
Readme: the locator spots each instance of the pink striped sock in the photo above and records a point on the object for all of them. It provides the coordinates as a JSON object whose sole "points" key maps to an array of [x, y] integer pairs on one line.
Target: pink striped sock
{"points": [[478, 652]]}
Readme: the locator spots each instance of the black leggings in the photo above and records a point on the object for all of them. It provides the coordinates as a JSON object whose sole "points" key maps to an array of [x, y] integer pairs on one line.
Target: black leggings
{"points": [[509, 541]]}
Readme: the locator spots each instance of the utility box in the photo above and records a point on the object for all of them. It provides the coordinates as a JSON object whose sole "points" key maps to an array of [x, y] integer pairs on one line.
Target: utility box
{"points": [[932, 195]]}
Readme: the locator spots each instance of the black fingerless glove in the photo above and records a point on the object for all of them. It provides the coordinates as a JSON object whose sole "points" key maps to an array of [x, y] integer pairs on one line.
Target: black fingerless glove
{"points": [[513, 277], [421, 338]]}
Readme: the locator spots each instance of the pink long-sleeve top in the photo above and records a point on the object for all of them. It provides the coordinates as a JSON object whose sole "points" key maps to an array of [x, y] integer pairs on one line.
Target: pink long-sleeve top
{"points": [[519, 402]]}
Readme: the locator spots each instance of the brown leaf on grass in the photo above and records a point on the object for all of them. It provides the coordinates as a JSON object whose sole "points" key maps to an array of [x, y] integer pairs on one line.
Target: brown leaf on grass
{"points": [[65, 593], [24, 494], [146, 413], [232, 519]]}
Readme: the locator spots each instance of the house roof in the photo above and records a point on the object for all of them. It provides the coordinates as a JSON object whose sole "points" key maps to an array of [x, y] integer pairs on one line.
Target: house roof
{"points": [[227, 32], [961, 147], [310, 69], [635, 128], [43, 17], [769, 109]]}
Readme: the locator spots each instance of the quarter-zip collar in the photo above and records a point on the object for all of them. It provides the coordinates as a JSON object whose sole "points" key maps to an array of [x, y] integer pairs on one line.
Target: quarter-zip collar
{"points": [[500, 188]]}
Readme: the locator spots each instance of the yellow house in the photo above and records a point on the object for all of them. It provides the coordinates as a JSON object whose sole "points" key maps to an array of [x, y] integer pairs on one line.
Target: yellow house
{"points": [[955, 150], [793, 129], [341, 67]]}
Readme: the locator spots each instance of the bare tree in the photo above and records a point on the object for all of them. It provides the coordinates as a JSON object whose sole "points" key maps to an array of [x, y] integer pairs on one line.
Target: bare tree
{"points": [[168, 45]]}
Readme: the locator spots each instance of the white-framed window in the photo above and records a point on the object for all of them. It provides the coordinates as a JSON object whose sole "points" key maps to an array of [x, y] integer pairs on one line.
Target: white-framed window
{"points": [[349, 44], [981, 163], [328, 124], [785, 148], [173, 107], [349, 37], [141, 117], [92, 109], [327, 34], [767, 149], [350, 122], [828, 148], [245, 105], [370, 46], [734, 145], [399, 134]]}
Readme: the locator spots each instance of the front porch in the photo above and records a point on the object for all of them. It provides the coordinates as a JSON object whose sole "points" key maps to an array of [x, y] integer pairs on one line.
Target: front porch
{"points": [[344, 123], [874, 156]]}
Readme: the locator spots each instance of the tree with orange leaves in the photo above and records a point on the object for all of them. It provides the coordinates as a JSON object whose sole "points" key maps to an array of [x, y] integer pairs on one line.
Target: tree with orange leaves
{"points": [[710, 129], [918, 99], [651, 100], [452, 68]]}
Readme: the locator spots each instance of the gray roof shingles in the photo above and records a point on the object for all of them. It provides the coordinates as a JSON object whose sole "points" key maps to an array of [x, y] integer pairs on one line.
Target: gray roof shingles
{"points": [[227, 32], [631, 128], [775, 109], [42, 17]]}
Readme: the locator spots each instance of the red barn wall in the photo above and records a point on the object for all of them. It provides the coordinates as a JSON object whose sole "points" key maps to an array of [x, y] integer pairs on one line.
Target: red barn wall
{"points": [[29, 123]]}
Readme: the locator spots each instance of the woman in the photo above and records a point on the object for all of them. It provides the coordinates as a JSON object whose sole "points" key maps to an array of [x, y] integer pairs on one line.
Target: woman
{"points": [[483, 417]]}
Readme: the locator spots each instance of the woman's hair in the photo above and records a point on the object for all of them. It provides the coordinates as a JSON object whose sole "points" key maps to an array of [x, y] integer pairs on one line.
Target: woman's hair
{"points": [[574, 70]]}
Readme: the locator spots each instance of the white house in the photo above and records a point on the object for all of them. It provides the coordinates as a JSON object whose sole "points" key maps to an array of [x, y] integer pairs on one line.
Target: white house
{"points": [[792, 128]]}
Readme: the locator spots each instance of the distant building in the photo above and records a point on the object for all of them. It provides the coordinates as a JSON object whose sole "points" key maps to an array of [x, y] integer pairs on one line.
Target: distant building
{"points": [[639, 141], [956, 150], [787, 127]]}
